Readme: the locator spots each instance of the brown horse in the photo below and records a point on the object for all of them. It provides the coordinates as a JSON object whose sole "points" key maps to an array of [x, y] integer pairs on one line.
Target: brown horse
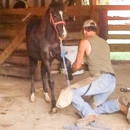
{"points": [[42, 39]]}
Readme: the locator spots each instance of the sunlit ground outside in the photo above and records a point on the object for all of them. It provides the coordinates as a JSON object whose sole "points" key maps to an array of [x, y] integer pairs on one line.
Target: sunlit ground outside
{"points": [[120, 56]]}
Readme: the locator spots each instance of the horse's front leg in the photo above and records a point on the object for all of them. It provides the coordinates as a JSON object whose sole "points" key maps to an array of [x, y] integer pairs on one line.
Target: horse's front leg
{"points": [[68, 66], [43, 74], [47, 66], [33, 65], [51, 85], [69, 69]]}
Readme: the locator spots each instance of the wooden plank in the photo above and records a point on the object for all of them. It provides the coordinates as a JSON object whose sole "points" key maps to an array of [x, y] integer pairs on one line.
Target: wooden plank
{"points": [[71, 43], [40, 11], [5, 42], [18, 60], [119, 47], [117, 18], [24, 71], [11, 26], [79, 10], [74, 36], [119, 27], [113, 46], [14, 44], [113, 7], [11, 18], [8, 33], [73, 26], [19, 71], [118, 36], [71, 37]]}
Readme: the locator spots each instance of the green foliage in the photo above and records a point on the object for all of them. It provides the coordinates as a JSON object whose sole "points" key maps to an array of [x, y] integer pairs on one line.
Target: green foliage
{"points": [[120, 55]]}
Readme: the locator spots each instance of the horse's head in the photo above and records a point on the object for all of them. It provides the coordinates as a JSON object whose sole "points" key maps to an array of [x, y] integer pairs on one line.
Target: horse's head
{"points": [[57, 20]]}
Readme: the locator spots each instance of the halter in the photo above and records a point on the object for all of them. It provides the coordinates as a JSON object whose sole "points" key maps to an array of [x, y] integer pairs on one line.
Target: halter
{"points": [[56, 23]]}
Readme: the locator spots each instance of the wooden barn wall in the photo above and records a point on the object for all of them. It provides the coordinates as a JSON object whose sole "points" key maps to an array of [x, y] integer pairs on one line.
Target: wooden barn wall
{"points": [[30, 3], [13, 54], [80, 13]]}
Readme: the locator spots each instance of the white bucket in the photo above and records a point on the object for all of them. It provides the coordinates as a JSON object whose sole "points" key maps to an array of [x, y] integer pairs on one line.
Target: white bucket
{"points": [[71, 53]]}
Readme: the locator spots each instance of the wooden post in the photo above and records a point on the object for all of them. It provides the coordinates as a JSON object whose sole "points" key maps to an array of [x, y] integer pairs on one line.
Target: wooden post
{"points": [[35, 3], [93, 13], [42, 3], [103, 28], [7, 3], [78, 2]]}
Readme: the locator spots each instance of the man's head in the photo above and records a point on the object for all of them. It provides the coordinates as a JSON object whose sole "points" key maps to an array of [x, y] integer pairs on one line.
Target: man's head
{"points": [[90, 25]]}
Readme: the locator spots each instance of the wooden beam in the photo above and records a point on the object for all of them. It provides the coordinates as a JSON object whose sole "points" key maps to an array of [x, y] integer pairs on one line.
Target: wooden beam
{"points": [[19, 71], [9, 33], [113, 7], [118, 18], [93, 13], [119, 27], [11, 18], [81, 10], [118, 36], [74, 36], [113, 47], [7, 3], [119, 47], [40, 11], [14, 44]]}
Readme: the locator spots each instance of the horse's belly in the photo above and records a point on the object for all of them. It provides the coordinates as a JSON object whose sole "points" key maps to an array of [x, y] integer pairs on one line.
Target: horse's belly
{"points": [[34, 54]]}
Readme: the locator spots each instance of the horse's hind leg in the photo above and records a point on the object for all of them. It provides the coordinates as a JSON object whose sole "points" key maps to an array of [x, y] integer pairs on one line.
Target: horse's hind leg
{"points": [[33, 65], [43, 74]]}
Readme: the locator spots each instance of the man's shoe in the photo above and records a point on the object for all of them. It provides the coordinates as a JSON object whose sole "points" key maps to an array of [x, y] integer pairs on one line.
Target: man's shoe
{"points": [[123, 104]]}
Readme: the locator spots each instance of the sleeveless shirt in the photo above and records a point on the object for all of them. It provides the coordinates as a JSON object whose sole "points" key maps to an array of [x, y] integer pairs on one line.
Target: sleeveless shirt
{"points": [[99, 58]]}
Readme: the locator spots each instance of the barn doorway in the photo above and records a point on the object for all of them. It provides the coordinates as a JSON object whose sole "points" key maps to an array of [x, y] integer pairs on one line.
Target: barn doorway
{"points": [[20, 4]]}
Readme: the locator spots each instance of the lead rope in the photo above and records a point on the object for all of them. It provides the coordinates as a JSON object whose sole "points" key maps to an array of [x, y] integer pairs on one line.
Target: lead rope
{"points": [[62, 54], [93, 124], [95, 127]]}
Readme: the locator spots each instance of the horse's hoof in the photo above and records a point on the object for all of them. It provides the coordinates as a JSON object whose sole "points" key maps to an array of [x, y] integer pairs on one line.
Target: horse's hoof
{"points": [[53, 111], [32, 98], [47, 98]]}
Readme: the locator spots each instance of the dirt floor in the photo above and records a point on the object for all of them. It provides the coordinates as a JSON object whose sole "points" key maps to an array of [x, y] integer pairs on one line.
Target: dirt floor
{"points": [[17, 113]]}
